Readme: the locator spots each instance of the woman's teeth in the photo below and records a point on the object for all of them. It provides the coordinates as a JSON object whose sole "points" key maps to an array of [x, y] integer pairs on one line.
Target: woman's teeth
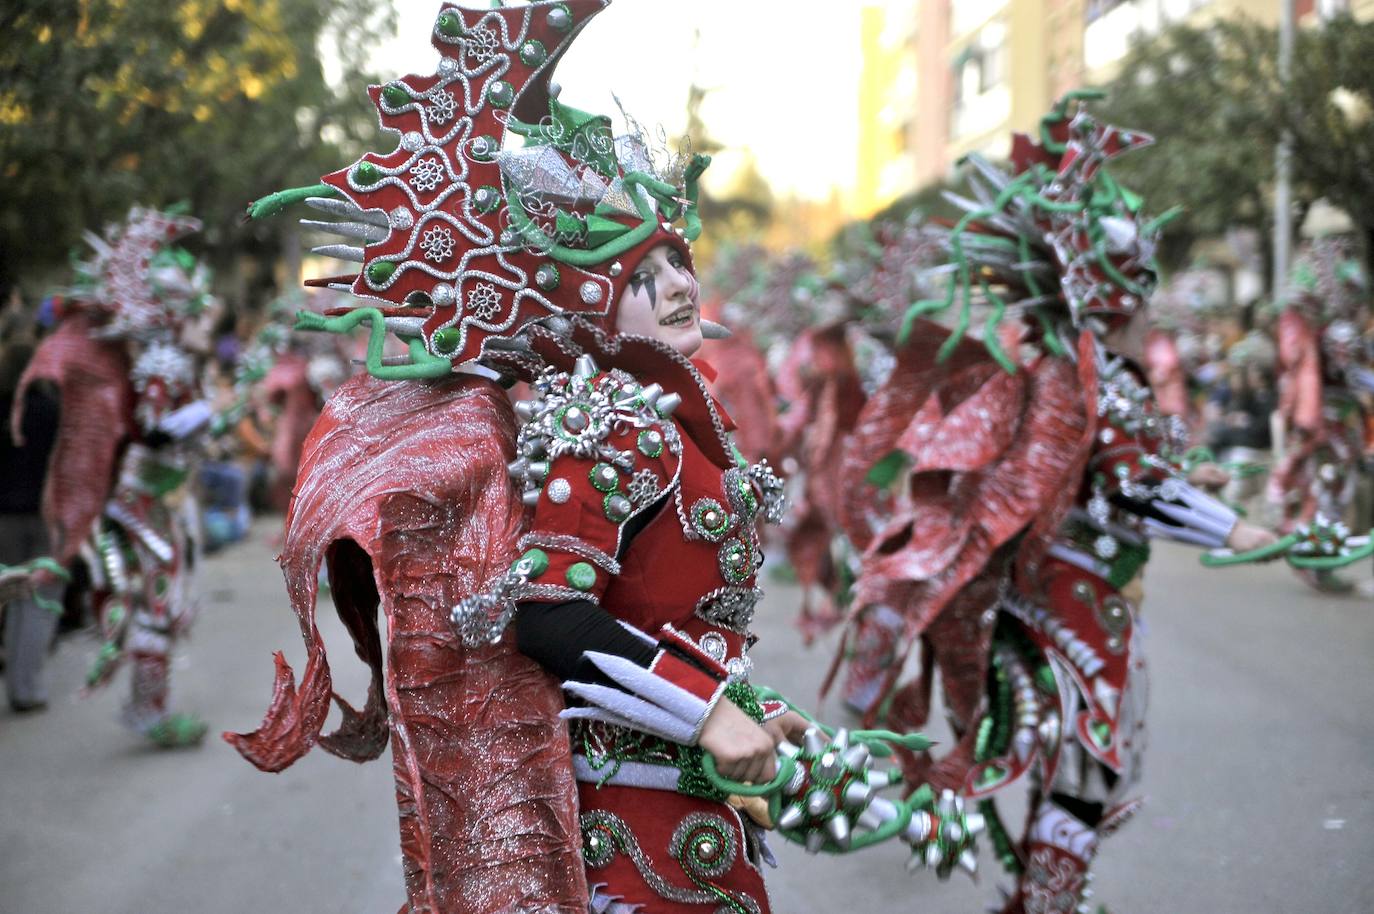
{"points": [[679, 318]]}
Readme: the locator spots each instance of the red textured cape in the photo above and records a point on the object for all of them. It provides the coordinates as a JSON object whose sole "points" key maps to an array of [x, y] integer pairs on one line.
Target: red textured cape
{"points": [[92, 377], [743, 384], [403, 488], [288, 386], [821, 383], [994, 461]]}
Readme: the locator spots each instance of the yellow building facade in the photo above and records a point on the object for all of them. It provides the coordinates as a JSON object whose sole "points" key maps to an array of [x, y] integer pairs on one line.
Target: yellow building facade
{"points": [[979, 69]]}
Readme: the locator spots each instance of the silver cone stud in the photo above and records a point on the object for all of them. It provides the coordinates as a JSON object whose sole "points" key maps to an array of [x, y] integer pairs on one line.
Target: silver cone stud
{"points": [[518, 469], [837, 827], [968, 862], [530, 498], [538, 469], [667, 404], [975, 823], [919, 828], [829, 767], [813, 742], [710, 330], [346, 252], [856, 757], [525, 410], [820, 802], [857, 794], [934, 856], [814, 842], [651, 393], [792, 817], [948, 805], [585, 366], [796, 782]]}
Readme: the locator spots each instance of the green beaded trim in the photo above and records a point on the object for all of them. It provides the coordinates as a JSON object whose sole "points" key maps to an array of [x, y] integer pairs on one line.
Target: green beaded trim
{"points": [[616, 507], [533, 53], [705, 506], [650, 442], [581, 576], [604, 478], [538, 562], [732, 572]]}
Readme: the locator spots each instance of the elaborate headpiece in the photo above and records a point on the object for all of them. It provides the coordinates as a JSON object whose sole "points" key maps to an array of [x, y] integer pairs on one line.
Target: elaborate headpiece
{"points": [[1057, 237], [1328, 280], [466, 242], [139, 284]]}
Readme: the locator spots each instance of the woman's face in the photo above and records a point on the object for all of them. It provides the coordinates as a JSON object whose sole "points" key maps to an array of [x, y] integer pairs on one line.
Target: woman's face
{"points": [[660, 301]]}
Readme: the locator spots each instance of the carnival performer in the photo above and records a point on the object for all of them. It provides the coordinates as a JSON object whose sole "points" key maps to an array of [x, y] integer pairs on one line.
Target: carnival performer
{"points": [[1325, 369], [1031, 481], [624, 551], [131, 409]]}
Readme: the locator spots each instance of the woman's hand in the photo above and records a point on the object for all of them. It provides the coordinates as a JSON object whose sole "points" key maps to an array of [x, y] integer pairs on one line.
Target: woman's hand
{"points": [[1209, 476], [790, 726], [743, 750], [1246, 537]]}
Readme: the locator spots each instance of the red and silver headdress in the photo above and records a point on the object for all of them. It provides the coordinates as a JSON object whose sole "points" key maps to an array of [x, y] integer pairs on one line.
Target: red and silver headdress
{"points": [[1056, 238], [465, 239], [139, 284]]}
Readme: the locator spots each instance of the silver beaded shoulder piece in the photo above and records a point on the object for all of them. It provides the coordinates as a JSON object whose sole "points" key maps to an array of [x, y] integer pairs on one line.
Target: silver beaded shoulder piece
{"points": [[577, 412]]}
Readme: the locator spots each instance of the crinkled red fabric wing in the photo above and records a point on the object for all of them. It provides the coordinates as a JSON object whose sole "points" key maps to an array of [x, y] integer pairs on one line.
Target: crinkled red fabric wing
{"points": [[288, 386], [976, 430], [404, 485], [885, 417], [959, 519], [744, 385], [92, 377]]}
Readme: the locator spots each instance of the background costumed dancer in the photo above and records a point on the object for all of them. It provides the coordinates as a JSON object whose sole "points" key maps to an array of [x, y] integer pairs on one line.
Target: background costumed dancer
{"points": [[132, 412], [1031, 470], [1326, 376]]}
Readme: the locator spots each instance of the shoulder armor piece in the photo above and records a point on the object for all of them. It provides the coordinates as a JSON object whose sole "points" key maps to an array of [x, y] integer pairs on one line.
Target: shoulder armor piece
{"points": [[579, 413]]}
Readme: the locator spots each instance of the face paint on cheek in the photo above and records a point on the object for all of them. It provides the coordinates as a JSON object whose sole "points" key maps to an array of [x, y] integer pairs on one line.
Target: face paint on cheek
{"points": [[637, 285]]}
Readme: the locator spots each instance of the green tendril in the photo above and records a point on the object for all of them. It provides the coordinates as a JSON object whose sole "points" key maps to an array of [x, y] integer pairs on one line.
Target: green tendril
{"points": [[422, 363], [272, 204]]}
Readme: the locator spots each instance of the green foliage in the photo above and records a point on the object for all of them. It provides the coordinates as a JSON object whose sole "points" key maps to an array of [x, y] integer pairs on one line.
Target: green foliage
{"points": [[1213, 98], [106, 103], [1190, 88]]}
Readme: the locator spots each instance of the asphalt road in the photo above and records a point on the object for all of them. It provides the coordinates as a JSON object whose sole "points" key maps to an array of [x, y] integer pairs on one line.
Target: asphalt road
{"points": [[1260, 775]]}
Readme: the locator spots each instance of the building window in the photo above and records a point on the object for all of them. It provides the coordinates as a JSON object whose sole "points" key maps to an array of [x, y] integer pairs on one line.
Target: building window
{"points": [[980, 78]]}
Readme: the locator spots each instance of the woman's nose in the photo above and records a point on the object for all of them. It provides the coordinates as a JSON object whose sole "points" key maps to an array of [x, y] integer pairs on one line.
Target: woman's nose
{"points": [[675, 282]]}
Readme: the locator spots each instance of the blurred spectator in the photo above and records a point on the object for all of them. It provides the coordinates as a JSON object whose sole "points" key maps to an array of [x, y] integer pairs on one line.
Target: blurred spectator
{"points": [[29, 628]]}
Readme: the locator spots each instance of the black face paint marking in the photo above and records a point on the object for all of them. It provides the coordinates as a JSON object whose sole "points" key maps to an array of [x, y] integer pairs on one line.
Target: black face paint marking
{"points": [[636, 284]]}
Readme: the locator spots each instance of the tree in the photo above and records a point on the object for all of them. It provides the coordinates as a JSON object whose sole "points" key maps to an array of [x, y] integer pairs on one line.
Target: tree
{"points": [[106, 103], [1188, 88], [1213, 99]]}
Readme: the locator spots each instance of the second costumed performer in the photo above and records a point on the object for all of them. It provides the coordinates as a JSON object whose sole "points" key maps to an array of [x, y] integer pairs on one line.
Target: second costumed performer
{"points": [[607, 528]]}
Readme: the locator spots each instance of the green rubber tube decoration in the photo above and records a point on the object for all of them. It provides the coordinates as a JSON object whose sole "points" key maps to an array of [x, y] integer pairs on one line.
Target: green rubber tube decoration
{"points": [[275, 203], [422, 363]]}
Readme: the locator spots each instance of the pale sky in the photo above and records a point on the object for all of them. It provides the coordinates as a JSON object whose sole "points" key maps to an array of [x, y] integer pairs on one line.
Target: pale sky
{"points": [[784, 77]]}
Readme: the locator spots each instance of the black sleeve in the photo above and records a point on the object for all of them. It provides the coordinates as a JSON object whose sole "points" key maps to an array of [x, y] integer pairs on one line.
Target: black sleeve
{"points": [[558, 636]]}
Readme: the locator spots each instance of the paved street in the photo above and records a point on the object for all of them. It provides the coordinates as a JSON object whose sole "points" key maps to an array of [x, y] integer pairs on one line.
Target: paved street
{"points": [[1260, 776]]}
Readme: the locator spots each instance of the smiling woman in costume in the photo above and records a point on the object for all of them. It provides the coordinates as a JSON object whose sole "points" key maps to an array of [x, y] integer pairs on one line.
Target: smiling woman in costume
{"points": [[603, 531]]}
